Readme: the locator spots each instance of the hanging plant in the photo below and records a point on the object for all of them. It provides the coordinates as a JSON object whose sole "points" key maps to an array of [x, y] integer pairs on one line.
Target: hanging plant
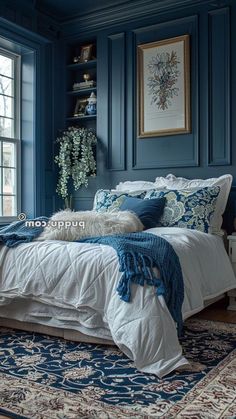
{"points": [[75, 160]]}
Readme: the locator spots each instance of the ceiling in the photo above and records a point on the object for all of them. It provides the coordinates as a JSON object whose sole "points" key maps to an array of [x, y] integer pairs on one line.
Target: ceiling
{"points": [[63, 10]]}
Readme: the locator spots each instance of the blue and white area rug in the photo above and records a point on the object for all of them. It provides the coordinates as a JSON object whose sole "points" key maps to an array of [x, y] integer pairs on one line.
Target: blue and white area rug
{"points": [[43, 377]]}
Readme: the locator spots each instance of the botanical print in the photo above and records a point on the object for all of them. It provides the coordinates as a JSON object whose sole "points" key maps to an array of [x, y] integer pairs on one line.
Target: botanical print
{"points": [[163, 87], [43, 377], [164, 73]]}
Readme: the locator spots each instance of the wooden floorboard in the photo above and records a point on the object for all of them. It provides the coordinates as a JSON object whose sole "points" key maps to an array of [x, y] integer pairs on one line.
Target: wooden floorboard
{"points": [[218, 312]]}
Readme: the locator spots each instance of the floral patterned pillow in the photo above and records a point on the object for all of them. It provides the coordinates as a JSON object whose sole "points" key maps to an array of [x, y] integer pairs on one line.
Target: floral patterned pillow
{"points": [[187, 208], [107, 201]]}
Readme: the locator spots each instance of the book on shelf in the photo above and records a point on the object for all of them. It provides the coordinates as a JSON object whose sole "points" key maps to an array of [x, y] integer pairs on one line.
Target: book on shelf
{"points": [[84, 85]]}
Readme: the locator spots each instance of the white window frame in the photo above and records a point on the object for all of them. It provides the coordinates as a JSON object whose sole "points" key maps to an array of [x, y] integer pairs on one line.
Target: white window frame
{"points": [[17, 134]]}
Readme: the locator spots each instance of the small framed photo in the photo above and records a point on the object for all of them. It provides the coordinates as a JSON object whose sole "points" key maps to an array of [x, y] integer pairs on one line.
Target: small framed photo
{"points": [[86, 53], [80, 107]]}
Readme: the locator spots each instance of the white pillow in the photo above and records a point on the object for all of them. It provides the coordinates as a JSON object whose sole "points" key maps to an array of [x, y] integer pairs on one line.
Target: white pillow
{"points": [[133, 186], [224, 182]]}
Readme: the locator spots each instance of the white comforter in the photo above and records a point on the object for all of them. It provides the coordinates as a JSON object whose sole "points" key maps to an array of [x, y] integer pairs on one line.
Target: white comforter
{"points": [[73, 285]]}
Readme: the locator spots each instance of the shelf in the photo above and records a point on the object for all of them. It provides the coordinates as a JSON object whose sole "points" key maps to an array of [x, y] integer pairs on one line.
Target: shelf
{"points": [[75, 75], [81, 92], [77, 66], [74, 118]]}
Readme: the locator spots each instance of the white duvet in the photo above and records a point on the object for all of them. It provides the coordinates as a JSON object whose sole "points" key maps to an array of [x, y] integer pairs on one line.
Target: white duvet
{"points": [[73, 285]]}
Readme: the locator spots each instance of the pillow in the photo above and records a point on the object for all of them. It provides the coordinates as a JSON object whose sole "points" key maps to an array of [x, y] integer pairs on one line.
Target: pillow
{"points": [[224, 182], [149, 211], [107, 201], [70, 225], [187, 208], [136, 185]]}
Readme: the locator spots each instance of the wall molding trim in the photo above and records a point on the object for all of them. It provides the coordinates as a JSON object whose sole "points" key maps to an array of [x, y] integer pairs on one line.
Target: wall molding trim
{"points": [[219, 142], [168, 147], [129, 12], [116, 101]]}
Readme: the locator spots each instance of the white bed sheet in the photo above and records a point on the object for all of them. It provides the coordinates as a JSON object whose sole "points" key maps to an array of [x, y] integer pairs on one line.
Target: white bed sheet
{"points": [[73, 285]]}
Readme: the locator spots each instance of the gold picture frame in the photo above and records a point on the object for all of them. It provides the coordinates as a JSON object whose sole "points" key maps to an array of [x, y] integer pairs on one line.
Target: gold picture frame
{"points": [[163, 87], [80, 107], [86, 53]]}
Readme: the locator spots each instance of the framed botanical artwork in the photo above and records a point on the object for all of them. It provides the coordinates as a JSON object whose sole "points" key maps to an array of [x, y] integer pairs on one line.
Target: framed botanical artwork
{"points": [[163, 83], [86, 53]]}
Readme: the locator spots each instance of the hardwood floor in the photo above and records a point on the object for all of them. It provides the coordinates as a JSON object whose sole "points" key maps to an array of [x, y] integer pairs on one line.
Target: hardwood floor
{"points": [[218, 311]]}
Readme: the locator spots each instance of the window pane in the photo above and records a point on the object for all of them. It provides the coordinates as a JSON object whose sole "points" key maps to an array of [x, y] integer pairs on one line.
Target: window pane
{"points": [[9, 181], [9, 99], [6, 86], [9, 206], [6, 66], [6, 106], [6, 128], [8, 157]]}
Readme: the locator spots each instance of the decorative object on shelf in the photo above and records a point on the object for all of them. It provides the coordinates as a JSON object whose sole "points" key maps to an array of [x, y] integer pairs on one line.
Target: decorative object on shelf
{"points": [[75, 160], [86, 84], [163, 87], [76, 59], [91, 107], [80, 107], [86, 77], [86, 53]]}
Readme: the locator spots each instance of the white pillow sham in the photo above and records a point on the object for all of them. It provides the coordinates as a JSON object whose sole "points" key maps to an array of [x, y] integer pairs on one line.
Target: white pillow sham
{"points": [[133, 186], [224, 182]]}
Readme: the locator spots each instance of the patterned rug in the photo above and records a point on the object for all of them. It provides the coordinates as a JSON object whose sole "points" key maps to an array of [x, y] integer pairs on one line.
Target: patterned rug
{"points": [[43, 377]]}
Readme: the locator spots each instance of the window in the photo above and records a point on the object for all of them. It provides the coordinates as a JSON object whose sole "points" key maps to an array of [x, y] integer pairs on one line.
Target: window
{"points": [[9, 134]]}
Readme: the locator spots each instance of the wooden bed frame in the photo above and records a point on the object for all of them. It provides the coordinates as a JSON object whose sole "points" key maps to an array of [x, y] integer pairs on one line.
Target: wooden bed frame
{"points": [[67, 334]]}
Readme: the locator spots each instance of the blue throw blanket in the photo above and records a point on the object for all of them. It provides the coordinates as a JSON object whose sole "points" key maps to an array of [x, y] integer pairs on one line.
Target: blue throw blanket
{"points": [[17, 232], [138, 254]]}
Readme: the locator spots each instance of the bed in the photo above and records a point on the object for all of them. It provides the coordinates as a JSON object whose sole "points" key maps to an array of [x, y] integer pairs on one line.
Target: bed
{"points": [[68, 289]]}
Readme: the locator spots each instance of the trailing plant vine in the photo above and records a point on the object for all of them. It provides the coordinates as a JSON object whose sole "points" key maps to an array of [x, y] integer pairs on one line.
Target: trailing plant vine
{"points": [[75, 159]]}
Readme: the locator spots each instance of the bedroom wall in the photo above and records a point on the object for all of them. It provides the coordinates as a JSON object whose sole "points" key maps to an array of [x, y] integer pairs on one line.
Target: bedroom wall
{"points": [[208, 150], [37, 34]]}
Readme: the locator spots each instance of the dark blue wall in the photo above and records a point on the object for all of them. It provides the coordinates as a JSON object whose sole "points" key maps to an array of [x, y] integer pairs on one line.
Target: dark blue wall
{"points": [[209, 150]]}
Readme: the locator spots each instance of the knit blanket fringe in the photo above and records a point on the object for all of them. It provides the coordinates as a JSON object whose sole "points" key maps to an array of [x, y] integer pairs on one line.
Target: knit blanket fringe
{"points": [[139, 254]]}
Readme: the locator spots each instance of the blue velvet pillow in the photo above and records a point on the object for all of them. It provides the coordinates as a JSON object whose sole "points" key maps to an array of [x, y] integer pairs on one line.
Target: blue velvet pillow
{"points": [[149, 210]]}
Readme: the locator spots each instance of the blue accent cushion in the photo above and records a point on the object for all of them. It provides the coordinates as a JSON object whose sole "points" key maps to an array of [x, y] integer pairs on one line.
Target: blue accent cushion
{"points": [[149, 211], [187, 208]]}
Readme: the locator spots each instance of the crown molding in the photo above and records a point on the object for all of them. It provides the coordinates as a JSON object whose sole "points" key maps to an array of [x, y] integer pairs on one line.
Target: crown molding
{"points": [[129, 12]]}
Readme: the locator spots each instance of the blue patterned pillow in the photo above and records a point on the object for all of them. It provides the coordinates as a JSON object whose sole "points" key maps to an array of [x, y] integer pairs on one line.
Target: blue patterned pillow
{"points": [[187, 208], [108, 201]]}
